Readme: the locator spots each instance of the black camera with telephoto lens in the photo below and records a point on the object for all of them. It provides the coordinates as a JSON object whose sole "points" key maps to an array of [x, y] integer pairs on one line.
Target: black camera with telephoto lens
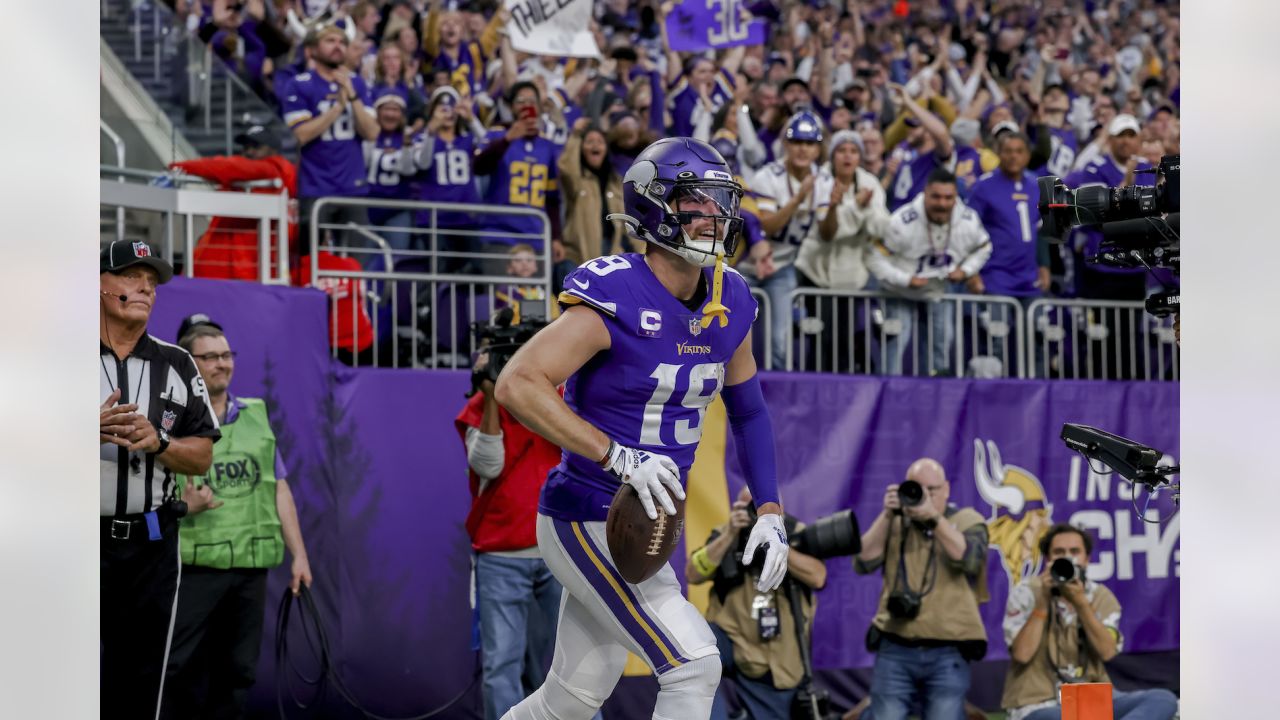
{"points": [[910, 493], [1063, 571], [511, 328], [835, 535], [1139, 224]]}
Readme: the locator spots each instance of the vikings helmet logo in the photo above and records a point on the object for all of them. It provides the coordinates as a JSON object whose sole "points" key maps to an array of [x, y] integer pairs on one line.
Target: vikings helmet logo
{"points": [[1020, 512]]}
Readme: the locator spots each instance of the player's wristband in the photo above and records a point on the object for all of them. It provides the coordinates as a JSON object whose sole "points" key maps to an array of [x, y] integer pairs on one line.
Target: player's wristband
{"points": [[605, 461], [702, 563]]}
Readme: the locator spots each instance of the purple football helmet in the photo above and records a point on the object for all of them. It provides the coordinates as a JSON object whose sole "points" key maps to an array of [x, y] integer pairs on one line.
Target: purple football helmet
{"points": [[672, 183], [804, 126]]}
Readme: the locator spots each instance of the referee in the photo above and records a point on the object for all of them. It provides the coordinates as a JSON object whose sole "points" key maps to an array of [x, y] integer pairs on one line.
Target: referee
{"points": [[155, 420]]}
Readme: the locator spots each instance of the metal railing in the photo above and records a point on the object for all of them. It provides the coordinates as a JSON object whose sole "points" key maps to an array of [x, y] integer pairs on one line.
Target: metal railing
{"points": [[197, 78], [865, 332], [118, 142], [413, 304], [185, 204], [1100, 340], [760, 331]]}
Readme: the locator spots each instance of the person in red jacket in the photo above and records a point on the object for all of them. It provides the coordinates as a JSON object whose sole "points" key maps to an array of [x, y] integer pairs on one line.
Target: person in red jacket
{"points": [[229, 248], [517, 597]]}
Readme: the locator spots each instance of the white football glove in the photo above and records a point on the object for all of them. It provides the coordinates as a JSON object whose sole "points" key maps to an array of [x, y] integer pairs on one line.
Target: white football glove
{"points": [[772, 534], [648, 473]]}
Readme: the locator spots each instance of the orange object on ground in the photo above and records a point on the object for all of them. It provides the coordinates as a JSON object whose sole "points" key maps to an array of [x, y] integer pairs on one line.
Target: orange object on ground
{"points": [[1086, 701]]}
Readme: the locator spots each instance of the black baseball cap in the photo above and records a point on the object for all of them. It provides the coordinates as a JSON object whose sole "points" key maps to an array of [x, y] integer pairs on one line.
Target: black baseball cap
{"points": [[793, 80], [120, 254], [192, 321], [259, 135]]}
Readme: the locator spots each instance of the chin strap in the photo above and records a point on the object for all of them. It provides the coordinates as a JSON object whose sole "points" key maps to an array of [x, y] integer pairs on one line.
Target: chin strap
{"points": [[714, 308]]}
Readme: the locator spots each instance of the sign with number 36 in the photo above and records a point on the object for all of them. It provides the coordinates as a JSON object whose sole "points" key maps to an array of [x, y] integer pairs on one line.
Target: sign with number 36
{"points": [[701, 24]]}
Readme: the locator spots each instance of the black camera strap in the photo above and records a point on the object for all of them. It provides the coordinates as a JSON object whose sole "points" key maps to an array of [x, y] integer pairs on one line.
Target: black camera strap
{"points": [[930, 568], [1081, 649]]}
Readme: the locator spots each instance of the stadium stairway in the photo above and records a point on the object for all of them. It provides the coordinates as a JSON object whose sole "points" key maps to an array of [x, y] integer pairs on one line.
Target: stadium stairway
{"points": [[159, 32]]}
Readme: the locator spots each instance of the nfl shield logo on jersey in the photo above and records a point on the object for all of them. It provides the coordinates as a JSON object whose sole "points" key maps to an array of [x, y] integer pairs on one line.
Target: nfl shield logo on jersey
{"points": [[695, 325], [650, 323], [167, 420]]}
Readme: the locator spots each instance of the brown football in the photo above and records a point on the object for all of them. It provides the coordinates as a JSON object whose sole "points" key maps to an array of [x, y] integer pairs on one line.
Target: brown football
{"points": [[640, 546]]}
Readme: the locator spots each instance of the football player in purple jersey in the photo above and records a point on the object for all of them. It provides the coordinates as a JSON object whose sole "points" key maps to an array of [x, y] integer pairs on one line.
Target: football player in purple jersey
{"points": [[644, 344]]}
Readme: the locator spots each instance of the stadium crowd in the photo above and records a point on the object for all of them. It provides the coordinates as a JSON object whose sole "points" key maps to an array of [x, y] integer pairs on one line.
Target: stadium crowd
{"points": [[848, 123]]}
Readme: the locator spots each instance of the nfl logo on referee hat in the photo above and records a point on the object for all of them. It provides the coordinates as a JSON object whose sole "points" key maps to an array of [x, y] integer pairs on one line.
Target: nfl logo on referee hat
{"points": [[141, 249]]}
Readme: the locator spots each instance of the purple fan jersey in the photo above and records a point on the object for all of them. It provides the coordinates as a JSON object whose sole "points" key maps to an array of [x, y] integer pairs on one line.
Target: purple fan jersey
{"points": [[1009, 211], [651, 388], [914, 171], [1103, 171], [449, 179], [684, 98], [1063, 148], [332, 164], [526, 176], [384, 178]]}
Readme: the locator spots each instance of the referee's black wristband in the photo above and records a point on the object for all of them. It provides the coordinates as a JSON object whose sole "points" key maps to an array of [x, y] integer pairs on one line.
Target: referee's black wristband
{"points": [[164, 443]]}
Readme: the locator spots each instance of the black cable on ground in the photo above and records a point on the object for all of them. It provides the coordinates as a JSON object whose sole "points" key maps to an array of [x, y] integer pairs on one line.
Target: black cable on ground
{"points": [[318, 641]]}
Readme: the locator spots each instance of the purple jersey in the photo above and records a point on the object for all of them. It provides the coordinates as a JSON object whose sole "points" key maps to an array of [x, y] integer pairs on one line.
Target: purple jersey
{"points": [[684, 97], [651, 388], [384, 178], [448, 179], [914, 171], [332, 164], [468, 69], [525, 177], [1009, 211], [1102, 171], [381, 158], [1063, 148]]}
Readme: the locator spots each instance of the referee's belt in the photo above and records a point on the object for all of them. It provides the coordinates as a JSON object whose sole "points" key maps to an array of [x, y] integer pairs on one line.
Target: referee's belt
{"points": [[134, 527]]}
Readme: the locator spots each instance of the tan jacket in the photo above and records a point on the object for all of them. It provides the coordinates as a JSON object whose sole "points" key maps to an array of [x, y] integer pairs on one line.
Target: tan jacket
{"points": [[584, 208], [948, 612], [1060, 648], [779, 656]]}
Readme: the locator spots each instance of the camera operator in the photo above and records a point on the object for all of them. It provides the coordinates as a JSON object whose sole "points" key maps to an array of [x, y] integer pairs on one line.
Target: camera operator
{"points": [[927, 628], [754, 630], [1061, 627], [516, 595]]}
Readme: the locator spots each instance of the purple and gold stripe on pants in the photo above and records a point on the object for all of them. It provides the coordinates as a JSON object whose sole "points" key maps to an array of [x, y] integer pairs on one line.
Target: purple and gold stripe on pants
{"points": [[662, 653]]}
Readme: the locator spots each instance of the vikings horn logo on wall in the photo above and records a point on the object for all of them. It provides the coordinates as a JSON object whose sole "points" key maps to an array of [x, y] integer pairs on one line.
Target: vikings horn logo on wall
{"points": [[1020, 512]]}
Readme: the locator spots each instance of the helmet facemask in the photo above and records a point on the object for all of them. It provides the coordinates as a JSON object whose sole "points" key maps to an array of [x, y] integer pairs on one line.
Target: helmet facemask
{"points": [[711, 208]]}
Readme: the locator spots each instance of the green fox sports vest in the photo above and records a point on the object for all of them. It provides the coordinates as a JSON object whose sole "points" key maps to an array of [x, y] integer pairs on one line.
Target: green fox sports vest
{"points": [[245, 531]]}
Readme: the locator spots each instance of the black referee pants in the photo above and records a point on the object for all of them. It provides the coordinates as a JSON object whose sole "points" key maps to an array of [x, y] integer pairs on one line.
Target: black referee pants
{"points": [[138, 594], [216, 640]]}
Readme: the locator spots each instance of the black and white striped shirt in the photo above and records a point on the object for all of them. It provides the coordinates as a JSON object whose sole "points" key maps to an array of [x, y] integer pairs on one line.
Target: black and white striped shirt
{"points": [[163, 380]]}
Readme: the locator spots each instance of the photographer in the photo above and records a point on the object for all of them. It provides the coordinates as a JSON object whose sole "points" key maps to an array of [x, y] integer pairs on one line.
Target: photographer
{"points": [[927, 628], [753, 630], [516, 595], [1061, 627]]}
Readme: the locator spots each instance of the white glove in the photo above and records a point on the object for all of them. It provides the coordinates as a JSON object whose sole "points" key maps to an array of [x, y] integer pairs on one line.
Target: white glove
{"points": [[646, 472], [772, 534]]}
